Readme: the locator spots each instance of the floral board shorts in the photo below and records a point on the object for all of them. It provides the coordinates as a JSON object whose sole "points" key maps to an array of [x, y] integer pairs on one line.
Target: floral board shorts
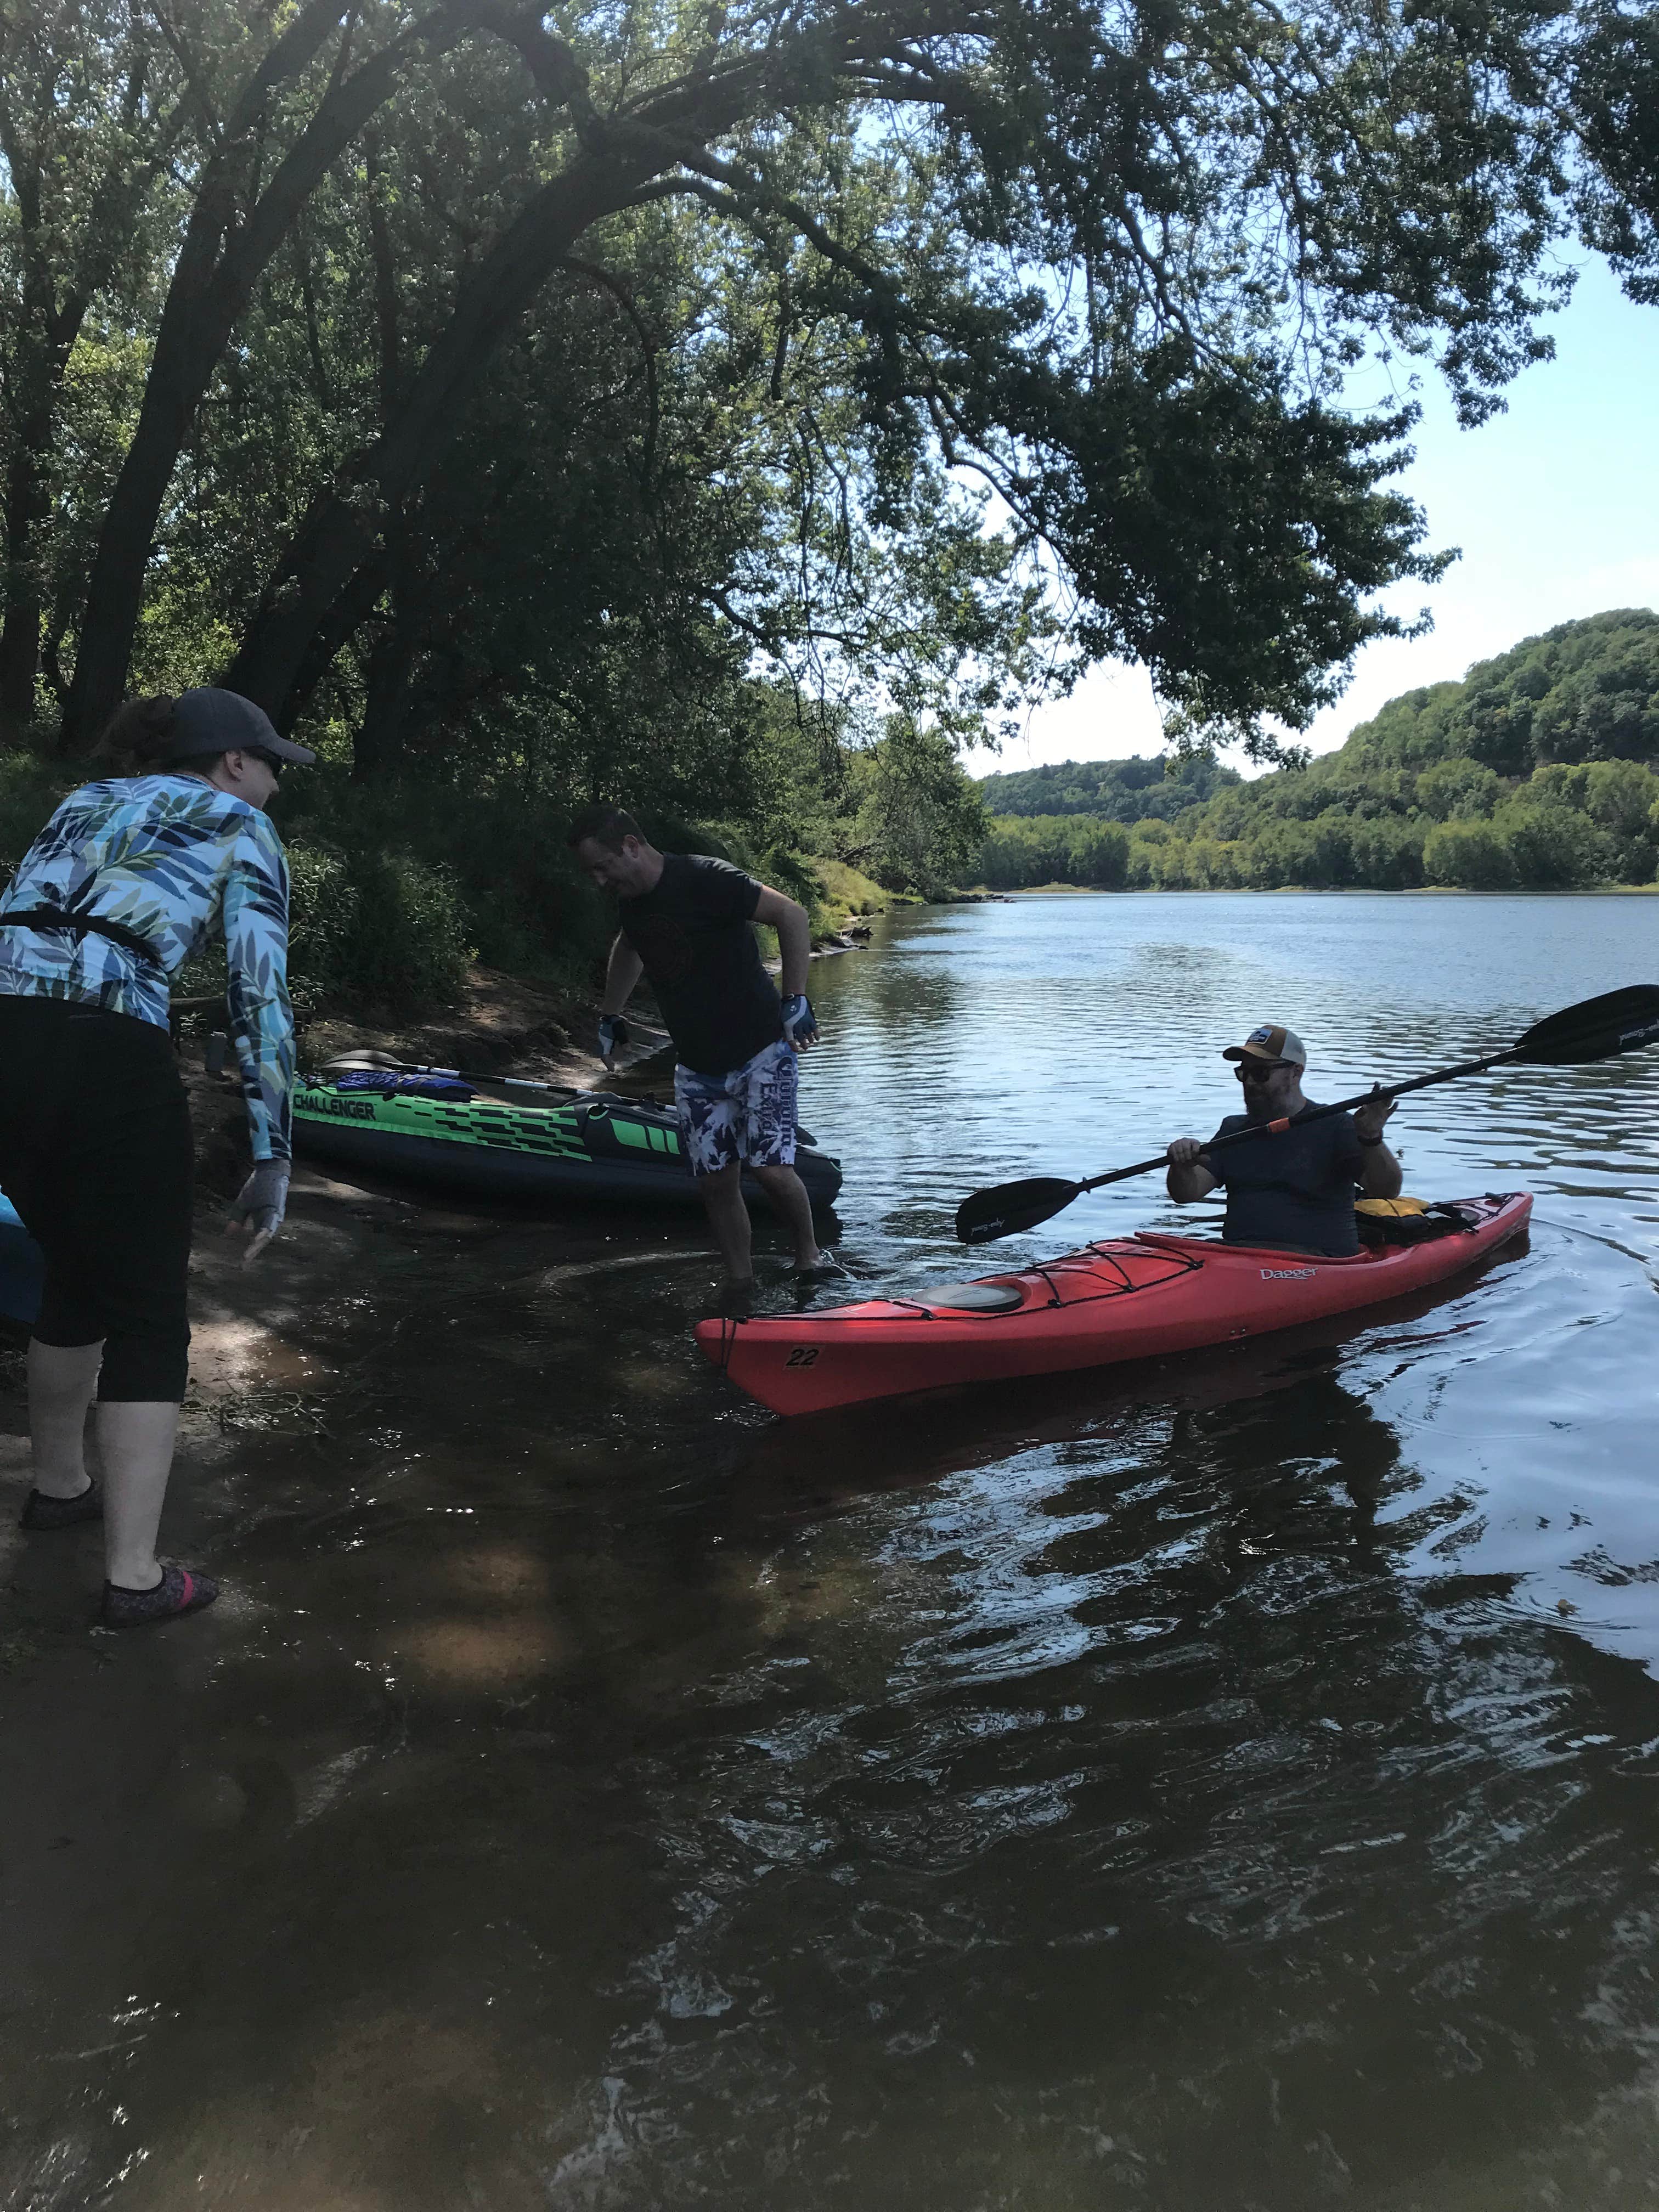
{"points": [[749, 1114]]}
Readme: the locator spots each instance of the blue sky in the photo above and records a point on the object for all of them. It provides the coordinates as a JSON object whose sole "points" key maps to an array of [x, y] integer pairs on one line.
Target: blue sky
{"points": [[1555, 504]]}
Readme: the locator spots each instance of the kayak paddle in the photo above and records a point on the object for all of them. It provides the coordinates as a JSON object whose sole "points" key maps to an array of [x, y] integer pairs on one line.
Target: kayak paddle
{"points": [[369, 1060], [1596, 1028]]}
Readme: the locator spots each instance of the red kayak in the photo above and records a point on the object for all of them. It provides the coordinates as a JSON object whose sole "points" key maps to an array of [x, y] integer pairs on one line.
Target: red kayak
{"points": [[1131, 1298]]}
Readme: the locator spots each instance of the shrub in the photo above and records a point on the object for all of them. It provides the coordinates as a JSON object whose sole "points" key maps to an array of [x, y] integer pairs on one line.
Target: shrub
{"points": [[30, 788], [1469, 856], [1554, 847], [407, 942], [322, 912], [525, 903]]}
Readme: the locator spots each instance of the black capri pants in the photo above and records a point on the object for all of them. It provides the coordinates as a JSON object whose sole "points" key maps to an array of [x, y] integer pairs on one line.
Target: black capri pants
{"points": [[96, 1156]]}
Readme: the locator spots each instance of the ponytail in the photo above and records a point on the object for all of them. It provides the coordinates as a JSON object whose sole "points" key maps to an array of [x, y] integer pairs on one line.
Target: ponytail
{"points": [[141, 736]]}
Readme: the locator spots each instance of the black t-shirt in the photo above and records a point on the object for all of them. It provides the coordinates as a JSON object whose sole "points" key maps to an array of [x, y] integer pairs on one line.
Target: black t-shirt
{"points": [[701, 958], [1295, 1191]]}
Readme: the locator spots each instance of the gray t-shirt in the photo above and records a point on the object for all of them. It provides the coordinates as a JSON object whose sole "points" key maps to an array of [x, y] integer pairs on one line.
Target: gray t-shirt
{"points": [[1293, 1192]]}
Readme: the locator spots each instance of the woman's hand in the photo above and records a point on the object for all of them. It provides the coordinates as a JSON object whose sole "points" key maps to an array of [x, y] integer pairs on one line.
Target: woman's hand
{"points": [[258, 1208]]}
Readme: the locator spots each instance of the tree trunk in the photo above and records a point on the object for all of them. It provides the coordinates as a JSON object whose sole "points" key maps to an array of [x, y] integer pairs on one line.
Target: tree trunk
{"points": [[44, 335], [28, 505], [380, 735], [346, 617], [220, 262]]}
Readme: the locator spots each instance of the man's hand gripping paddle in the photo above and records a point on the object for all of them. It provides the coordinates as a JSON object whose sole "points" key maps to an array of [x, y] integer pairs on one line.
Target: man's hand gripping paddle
{"points": [[1596, 1028]]}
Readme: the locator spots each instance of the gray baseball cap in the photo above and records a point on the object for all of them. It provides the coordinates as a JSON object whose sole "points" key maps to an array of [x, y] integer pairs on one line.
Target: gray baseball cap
{"points": [[209, 721]]}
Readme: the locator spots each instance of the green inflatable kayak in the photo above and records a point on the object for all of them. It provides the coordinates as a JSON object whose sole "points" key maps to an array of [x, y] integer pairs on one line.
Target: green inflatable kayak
{"points": [[453, 1133]]}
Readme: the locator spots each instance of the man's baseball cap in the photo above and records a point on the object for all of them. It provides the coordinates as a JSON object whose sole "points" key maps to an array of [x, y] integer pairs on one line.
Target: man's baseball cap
{"points": [[209, 721], [1270, 1042]]}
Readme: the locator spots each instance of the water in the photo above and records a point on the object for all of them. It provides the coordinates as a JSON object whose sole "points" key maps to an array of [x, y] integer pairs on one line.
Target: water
{"points": [[1226, 1785]]}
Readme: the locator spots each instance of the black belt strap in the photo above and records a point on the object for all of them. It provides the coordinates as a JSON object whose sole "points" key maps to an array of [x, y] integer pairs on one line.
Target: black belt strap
{"points": [[85, 925]]}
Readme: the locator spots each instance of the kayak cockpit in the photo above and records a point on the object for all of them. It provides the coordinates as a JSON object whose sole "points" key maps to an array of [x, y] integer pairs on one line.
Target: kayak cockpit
{"points": [[976, 1298], [1099, 1271]]}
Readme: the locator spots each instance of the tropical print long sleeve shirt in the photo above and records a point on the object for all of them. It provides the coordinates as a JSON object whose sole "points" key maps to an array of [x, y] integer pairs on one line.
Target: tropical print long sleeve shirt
{"points": [[170, 858]]}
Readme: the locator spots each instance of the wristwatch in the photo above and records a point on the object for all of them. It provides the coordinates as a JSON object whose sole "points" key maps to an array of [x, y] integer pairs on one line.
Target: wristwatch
{"points": [[1376, 1140]]}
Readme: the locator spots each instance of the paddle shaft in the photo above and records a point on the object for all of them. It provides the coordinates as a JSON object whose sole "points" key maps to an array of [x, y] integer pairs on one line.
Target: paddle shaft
{"points": [[1316, 1113]]}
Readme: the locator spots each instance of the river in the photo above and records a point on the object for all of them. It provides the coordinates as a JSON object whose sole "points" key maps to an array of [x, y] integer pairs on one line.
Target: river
{"points": [[1226, 1785]]}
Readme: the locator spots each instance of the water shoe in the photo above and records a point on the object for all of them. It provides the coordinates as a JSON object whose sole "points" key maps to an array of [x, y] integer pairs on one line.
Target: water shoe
{"points": [[41, 1511], [178, 1592]]}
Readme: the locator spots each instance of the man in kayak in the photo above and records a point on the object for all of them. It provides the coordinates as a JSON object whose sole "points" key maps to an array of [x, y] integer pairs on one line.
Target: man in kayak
{"points": [[1293, 1191], [685, 926]]}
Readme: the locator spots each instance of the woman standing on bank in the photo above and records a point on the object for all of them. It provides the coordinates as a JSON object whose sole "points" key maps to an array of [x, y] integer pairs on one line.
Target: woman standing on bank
{"points": [[126, 881]]}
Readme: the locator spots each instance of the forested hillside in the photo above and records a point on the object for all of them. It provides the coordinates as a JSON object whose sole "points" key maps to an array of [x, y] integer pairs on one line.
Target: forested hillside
{"points": [[1134, 790], [1537, 772]]}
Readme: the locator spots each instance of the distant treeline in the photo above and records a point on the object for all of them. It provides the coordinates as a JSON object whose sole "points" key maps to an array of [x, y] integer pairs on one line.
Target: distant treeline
{"points": [[1537, 773], [1127, 790]]}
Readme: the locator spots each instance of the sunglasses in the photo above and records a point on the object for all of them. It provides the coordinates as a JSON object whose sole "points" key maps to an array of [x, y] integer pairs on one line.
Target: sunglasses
{"points": [[1258, 1071], [269, 760]]}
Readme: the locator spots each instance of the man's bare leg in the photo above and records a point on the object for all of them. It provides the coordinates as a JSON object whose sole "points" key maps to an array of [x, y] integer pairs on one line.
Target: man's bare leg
{"points": [[788, 1195], [728, 1217], [62, 1378]]}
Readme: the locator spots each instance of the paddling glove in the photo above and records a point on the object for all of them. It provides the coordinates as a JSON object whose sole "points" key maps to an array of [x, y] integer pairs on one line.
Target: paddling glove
{"points": [[800, 1024], [262, 1202], [613, 1032]]}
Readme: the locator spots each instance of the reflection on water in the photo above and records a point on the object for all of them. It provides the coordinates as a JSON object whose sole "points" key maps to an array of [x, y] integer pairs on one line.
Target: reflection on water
{"points": [[1182, 1787]]}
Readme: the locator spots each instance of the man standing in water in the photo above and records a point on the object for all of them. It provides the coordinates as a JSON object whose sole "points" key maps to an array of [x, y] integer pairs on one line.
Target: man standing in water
{"points": [[685, 926], [1293, 1190]]}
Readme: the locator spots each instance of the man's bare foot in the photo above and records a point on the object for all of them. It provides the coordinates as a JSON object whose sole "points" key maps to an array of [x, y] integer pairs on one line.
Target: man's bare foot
{"points": [[819, 1268]]}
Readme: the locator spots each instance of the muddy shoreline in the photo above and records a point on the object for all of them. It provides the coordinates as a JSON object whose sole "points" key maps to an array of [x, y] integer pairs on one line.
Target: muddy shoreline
{"points": [[104, 1779]]}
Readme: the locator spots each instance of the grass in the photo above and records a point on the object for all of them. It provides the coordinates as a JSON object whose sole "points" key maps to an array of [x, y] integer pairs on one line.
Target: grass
{"points": [[846, 894]]}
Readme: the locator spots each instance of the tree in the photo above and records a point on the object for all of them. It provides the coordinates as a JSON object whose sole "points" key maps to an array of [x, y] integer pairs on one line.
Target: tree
{"points": [[1115, 266], [1470, 856], [1459, 790], [239, 99], [88, 110], [1615, 89], [1618, 797], [920, 819], [1552, 848]]}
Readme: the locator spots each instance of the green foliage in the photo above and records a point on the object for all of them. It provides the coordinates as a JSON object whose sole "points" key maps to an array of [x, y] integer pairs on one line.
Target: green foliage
{"points": [[1116, 790], [1457, 790], [464, 872], [918, 820], [30, 787], [1614, 88], [406, 940], [1586, 690], [1413, 797], [322, 916], [451, 436], [1037, 848], [1468, 856]]}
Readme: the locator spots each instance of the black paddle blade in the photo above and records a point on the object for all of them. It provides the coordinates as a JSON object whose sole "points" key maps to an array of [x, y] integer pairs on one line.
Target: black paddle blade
{"points": [[1596, 1028], [1012, 1206]]}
